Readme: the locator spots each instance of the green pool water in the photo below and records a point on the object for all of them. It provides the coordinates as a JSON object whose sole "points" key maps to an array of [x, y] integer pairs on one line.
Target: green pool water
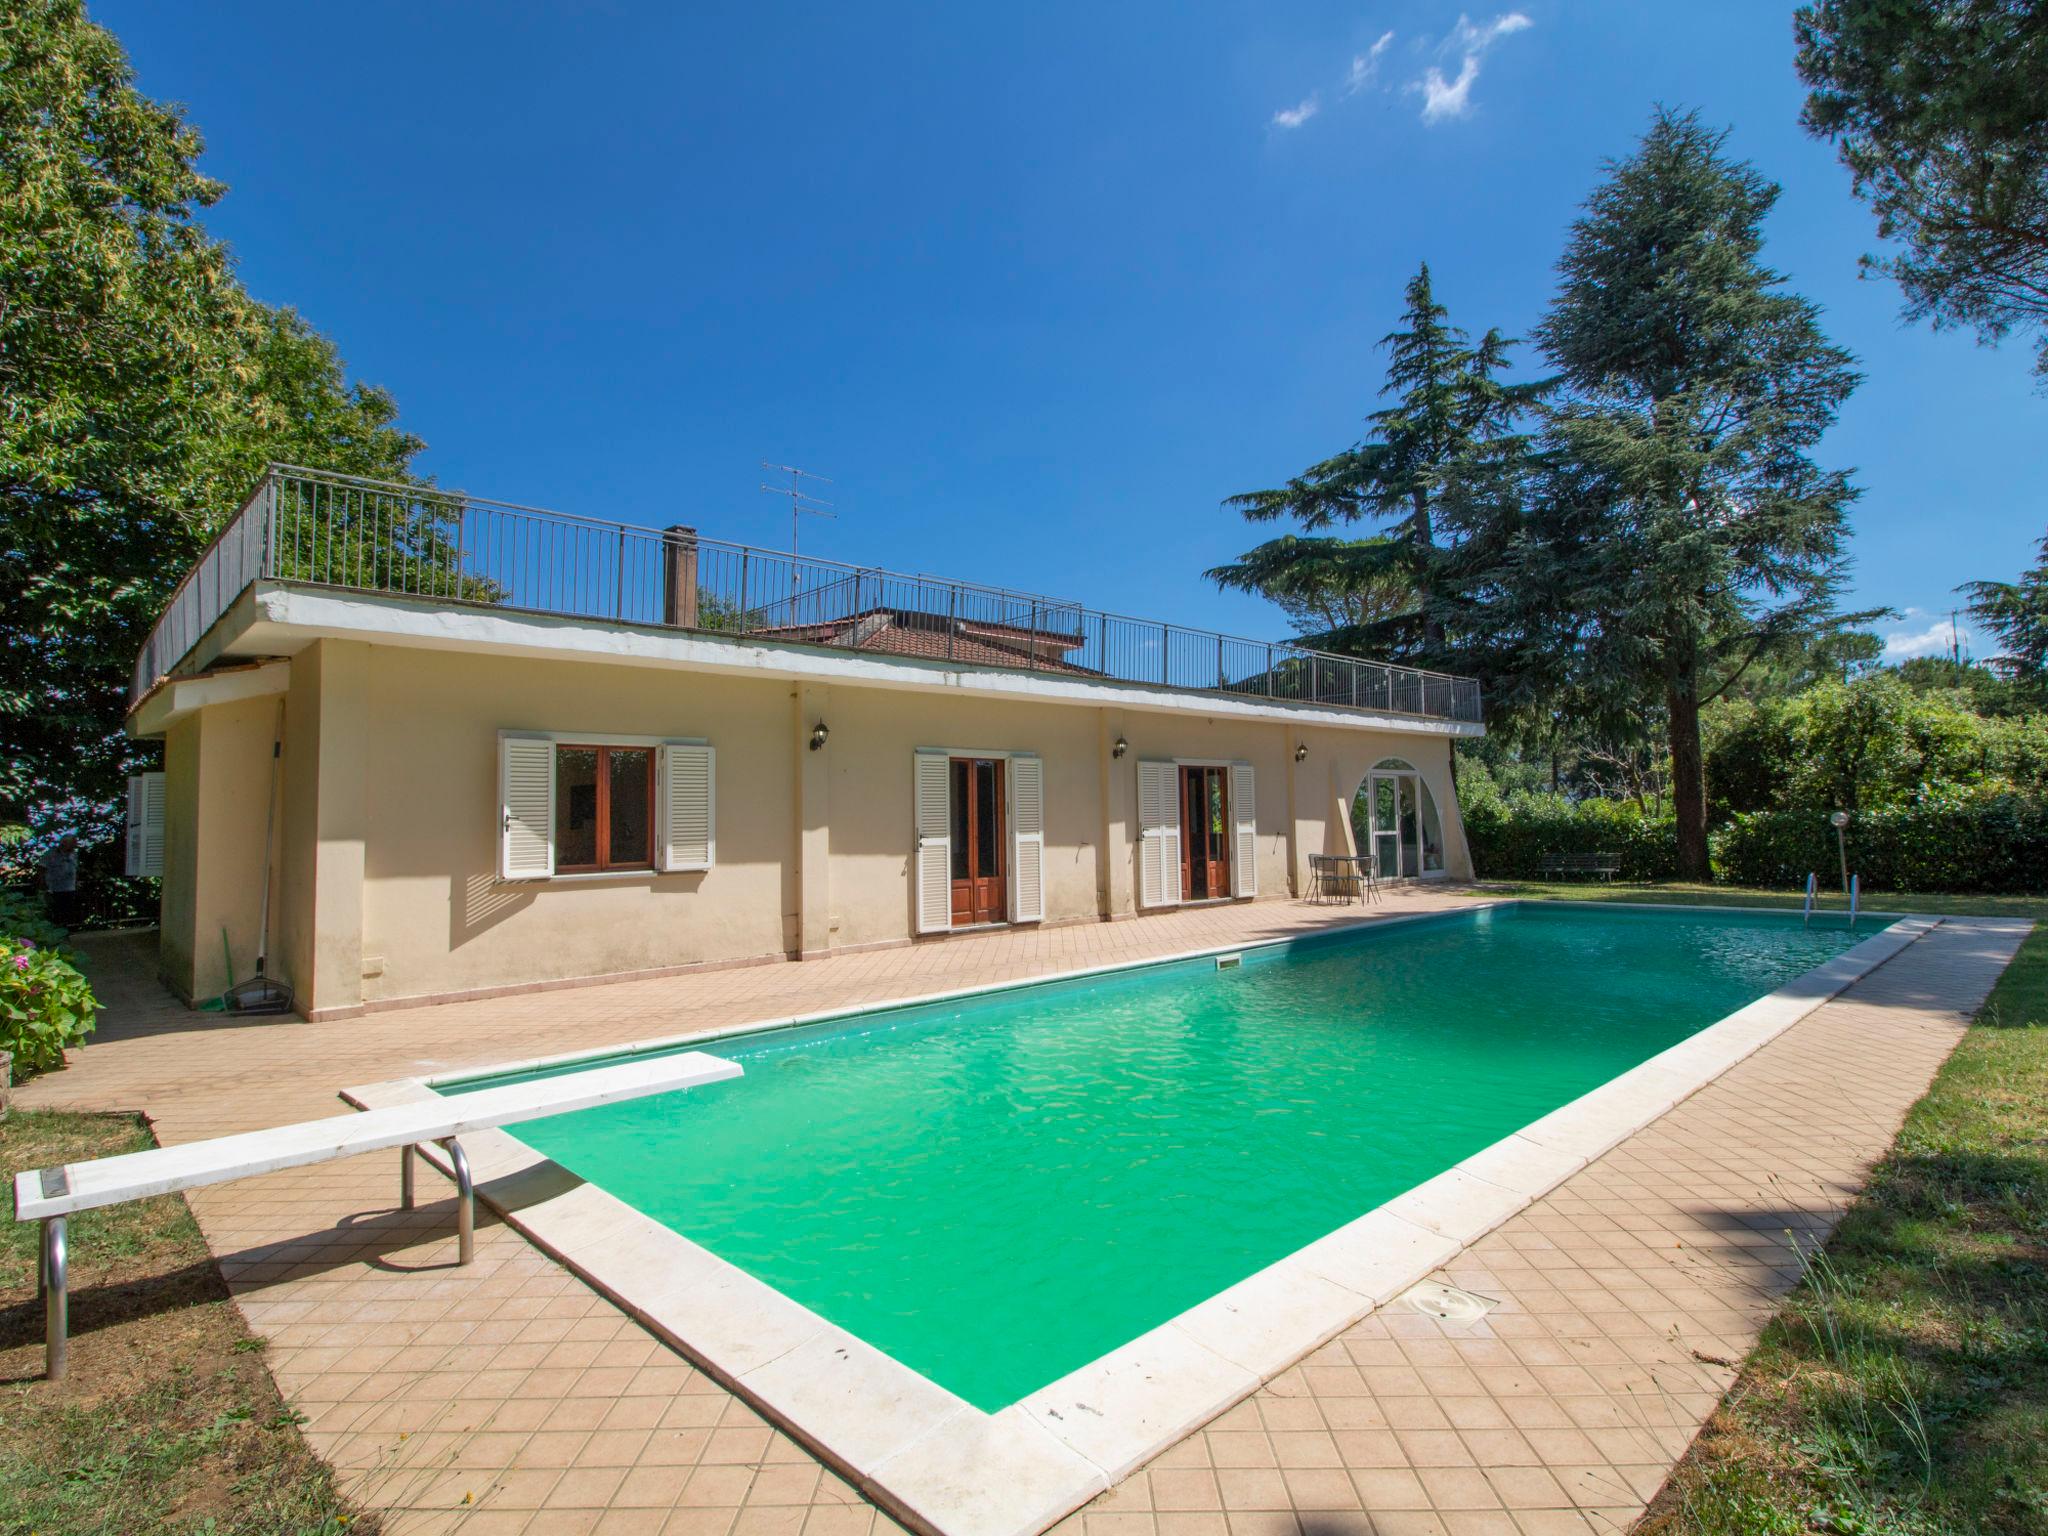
{"points": [[999, 1189]]}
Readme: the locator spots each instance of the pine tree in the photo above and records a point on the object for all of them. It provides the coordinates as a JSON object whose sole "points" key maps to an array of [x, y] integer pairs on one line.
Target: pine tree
{"points": [[1681, 526], [1939, 109], [2017, 612], [1335, 592], [1449, 405]]}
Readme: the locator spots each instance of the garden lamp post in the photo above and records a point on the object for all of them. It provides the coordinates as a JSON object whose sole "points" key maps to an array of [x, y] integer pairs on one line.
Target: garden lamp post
{"points": [[1839, 821]]}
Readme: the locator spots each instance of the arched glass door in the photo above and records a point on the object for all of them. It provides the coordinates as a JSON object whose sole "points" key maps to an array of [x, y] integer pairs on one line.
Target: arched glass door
{"points": [[1399, 818]]}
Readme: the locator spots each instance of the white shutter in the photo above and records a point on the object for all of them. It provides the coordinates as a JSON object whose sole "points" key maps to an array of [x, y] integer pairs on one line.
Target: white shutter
{"points": [[145, 825], [1244, 809], [685, 799], [932, 794], [526, 808], [1027, 834], [1158, 836]]}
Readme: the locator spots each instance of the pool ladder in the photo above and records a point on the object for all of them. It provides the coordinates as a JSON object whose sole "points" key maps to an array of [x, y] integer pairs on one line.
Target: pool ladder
{"points": [[1855, 898]]}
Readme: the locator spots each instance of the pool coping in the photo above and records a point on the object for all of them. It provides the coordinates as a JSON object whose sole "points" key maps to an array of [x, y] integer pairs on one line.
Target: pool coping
{"points": [[946, 1467]]}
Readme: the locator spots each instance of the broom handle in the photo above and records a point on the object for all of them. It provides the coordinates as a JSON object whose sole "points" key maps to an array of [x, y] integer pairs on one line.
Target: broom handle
{"points": [[269, 834]]}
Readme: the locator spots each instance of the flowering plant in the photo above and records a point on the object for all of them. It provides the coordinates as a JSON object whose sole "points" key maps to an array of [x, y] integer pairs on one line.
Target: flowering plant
{"points": [[46, 1005]]}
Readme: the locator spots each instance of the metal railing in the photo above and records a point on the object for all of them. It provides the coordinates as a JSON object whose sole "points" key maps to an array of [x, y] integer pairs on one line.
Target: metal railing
{"points": [[370, 536]]}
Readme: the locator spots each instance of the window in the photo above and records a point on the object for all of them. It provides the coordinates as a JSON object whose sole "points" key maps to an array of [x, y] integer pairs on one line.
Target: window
{"points": [[570, 807], [604, 808], [1396, 819]]}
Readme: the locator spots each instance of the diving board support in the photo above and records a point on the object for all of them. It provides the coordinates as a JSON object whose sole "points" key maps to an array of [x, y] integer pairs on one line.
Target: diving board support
{"points": [[51, 1195], [51, 1258], [465, 1191], [465, 1202]]}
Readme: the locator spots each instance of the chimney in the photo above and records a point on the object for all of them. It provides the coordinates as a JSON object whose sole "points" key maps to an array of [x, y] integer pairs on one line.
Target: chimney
{"points": [[679, 577]]}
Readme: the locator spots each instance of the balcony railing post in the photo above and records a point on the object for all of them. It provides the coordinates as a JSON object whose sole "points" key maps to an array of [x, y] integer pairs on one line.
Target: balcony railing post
{"points": [[461, 547], [952, 618], [270, 524], [1165, 651], [1033, 652], [1272, 680]]}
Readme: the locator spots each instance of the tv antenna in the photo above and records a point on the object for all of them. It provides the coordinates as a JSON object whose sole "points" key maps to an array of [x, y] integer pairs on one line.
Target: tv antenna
{"points": [[801, 502]]}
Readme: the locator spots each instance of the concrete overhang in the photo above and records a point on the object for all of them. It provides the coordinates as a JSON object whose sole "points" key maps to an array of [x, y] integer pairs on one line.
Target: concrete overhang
{"points": [[274, 619], [225, 683]]}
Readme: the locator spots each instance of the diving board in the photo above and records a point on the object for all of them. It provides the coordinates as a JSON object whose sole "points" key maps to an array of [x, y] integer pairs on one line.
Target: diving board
{"points": [[49, 1195]]}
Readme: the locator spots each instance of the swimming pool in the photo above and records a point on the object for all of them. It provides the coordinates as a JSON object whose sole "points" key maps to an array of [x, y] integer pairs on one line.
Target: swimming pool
{"points": [[996, 1190]]}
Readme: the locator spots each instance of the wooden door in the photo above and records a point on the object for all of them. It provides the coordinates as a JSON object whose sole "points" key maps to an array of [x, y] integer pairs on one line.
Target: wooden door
{"points": [[1205, 834], [980, 871]]}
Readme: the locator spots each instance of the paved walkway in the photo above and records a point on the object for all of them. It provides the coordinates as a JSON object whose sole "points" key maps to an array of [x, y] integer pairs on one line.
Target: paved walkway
{"points": [[510, 1398]]}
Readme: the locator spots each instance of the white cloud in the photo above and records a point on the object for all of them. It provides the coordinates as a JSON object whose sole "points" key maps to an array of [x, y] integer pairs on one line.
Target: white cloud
{"points": [[1295, 116], [1466, 38], [1446, 98], [1934, 640], [1365, 67], [1443, 98]]}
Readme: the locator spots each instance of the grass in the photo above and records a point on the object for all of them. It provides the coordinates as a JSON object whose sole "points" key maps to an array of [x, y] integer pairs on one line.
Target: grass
{"points": [[1674, 893], [167, 1420], [1902, 1390]]}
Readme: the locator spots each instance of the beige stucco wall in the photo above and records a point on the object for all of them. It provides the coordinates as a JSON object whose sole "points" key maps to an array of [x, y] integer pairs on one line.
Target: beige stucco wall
{"points": [[388, 882], [217, 783], [435, 916], [875, 735], [1352, 756], [325, 824], [178, 895]]}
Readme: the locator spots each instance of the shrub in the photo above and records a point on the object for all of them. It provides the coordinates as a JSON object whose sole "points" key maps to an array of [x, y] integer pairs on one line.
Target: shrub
{"points": [[22, 917], [46, 1005], [1992, 840], [1511, 839], [1868, 744]]}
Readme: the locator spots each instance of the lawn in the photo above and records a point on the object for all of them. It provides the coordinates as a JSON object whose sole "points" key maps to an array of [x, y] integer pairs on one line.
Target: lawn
{"points": [[1673, 893], [1903, 1388], [167, 1420]]}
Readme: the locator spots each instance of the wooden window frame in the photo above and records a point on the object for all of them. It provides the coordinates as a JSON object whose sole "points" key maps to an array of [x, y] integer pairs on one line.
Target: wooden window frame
{"points": [[604, 750]]}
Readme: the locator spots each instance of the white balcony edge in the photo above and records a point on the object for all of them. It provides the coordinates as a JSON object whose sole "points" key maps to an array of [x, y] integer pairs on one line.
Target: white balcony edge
{"points": [[276, 618]]}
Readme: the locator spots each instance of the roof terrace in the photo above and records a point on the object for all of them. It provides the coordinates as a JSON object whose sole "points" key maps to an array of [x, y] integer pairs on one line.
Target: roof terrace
{"points": [[309, 527]]}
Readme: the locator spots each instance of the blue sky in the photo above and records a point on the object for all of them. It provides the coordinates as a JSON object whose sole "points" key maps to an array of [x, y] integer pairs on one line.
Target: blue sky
{"points": [[1037, 288]]}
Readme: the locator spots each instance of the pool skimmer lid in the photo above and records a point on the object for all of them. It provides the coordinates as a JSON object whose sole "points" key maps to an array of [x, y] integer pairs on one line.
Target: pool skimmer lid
{"points": [[1447, 1303]]}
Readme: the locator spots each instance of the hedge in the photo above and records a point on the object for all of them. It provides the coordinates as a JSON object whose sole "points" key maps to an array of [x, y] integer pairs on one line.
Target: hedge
{"points": [[1995, 844], [1511, 842], [1988, 843]]}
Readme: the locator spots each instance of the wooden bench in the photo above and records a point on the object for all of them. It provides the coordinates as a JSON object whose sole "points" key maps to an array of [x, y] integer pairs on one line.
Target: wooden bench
{"points": [[49, 1195], [1605, 865]]}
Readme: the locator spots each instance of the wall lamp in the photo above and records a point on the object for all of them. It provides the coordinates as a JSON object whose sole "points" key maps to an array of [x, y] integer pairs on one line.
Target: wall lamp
{"points": [[818, 734], [1301, 752], [1120, 748]]}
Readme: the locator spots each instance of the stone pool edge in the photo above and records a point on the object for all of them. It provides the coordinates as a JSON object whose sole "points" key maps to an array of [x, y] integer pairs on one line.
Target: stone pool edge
{"points": [[948, 1468]]}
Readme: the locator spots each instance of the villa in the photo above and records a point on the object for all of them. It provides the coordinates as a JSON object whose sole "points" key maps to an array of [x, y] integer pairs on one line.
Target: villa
{"points": [[1462, 1206], [489, 748]]}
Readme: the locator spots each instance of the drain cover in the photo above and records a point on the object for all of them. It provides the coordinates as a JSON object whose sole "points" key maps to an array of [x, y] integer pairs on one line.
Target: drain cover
{"points": [[1448, 1303]]}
